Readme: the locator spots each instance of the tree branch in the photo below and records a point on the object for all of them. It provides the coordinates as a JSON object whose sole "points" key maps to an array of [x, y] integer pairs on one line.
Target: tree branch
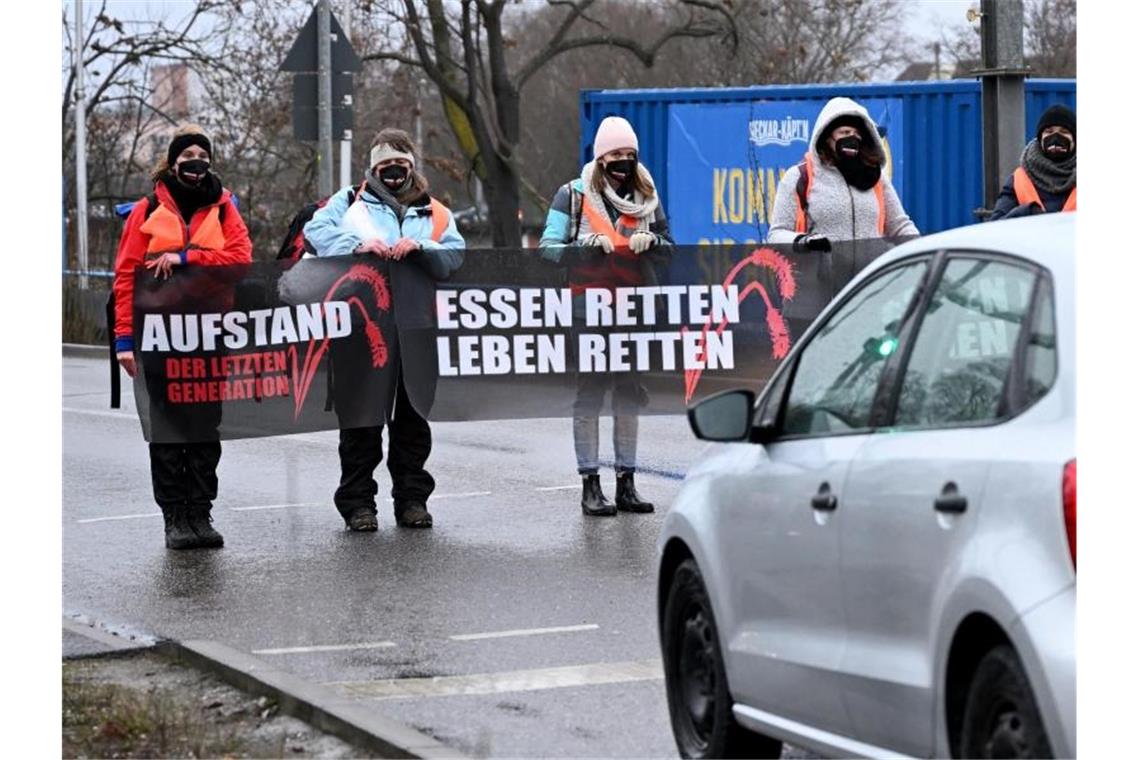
{"points": [[399, 57], [646, 54]]}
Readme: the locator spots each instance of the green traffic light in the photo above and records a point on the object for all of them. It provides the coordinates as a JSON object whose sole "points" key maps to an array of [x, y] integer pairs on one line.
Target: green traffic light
{"points": [[887, 346]]}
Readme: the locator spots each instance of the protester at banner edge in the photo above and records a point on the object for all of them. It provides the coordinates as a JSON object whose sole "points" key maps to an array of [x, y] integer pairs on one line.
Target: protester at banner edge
{"points": [[615, 189], [847, 197], [192, 223], [1046, 178], [175, 198], [394, 218]]}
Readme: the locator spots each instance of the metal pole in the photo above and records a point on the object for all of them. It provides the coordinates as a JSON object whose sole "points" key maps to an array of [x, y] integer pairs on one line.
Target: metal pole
{"points": [[324, 100], [1003, 92], [80, 151], [346, 138]]}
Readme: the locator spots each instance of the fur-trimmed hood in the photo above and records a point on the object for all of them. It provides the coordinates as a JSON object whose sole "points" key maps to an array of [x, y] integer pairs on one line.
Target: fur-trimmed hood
{"points": [[835, 108]]}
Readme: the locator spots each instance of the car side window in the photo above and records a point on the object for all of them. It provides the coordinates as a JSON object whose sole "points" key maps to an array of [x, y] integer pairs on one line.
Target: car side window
{"points": [[837, 373], [768, 412], [1041, 349], [965, 346]]}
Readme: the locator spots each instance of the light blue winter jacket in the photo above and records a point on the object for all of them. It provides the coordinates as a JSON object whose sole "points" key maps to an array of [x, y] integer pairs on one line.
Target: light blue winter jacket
{"points": [[332, 234]]}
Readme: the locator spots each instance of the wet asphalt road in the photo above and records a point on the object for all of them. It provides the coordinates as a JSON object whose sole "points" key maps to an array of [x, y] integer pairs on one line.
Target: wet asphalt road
{"points": [[510, 551]]}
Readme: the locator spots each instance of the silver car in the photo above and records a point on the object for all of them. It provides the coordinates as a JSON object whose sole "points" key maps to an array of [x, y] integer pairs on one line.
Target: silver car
{"points": [[877, 557]]}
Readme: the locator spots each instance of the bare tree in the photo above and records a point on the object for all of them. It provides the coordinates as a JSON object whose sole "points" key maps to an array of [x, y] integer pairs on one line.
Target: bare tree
{"points": [[468, 55], [778, 42], [116, 51], [1050, 39], [804, 41]]}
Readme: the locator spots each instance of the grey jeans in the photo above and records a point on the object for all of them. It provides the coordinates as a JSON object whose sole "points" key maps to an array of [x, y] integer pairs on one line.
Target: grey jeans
{"points": [[587, 408]]}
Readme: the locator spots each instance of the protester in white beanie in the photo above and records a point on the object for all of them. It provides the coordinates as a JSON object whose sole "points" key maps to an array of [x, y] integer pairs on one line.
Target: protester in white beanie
{"points": [[608, 226], [390, 216]]}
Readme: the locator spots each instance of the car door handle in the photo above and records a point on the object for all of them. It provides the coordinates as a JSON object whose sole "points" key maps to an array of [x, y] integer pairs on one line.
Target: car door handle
{"points": [[950, 500], [824, 500]]}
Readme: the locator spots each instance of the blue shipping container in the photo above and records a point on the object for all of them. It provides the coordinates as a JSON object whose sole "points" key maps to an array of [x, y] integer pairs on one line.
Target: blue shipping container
{"points": [[717, 153]]}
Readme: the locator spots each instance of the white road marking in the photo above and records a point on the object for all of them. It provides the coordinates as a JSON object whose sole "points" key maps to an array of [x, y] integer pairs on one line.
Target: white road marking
{"points": [[275, 506], [523, 632], [101, 413], [559, 488], [328, 648], [497, 683], [119, 517]]}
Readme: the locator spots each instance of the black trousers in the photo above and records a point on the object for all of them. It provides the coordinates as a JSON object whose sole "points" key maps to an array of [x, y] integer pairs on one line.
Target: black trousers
{"points": [[361, 451], [184, 463], [185, 474]]}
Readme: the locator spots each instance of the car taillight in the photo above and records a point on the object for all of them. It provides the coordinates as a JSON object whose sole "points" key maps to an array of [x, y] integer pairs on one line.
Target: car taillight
{"points": [[1069, 503]]}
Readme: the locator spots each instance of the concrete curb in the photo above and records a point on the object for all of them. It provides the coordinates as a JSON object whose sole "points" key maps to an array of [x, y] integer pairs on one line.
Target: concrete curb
{"points": [[317, 705], [82, 351], [116, 641]]}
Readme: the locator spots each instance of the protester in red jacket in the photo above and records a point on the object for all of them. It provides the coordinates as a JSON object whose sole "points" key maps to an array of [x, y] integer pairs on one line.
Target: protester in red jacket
{"points": [[192, 222]]}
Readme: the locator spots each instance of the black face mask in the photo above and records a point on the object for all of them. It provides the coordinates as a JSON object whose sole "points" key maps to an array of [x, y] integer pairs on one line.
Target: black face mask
{"points": [[625, 168], [1058, 140], [395, 177], [195, 166], [851, 142]]}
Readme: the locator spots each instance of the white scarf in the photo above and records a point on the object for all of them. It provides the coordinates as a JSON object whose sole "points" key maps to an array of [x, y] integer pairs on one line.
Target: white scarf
{"points": [[640, 207]]}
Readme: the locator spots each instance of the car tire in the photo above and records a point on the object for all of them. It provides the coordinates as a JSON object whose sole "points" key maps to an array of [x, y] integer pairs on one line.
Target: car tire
{"points": [[700, 707], [1001, 717]]}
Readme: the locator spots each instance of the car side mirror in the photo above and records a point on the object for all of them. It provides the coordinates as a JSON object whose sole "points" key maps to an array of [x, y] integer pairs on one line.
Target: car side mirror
{"points": [[723, 417]]}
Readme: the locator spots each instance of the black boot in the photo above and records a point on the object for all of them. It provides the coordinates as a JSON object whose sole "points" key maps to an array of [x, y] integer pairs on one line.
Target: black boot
{"points": [[412, 514], [199, 518], [628, 500], [594, 502], [179, 534]]}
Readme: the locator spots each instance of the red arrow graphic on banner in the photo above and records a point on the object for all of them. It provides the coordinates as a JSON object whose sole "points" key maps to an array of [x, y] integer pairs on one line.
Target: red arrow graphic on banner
{"points": [[777, 327], [378, 347]]}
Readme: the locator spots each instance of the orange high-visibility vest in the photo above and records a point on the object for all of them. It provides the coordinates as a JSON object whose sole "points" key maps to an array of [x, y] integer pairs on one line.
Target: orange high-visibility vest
{"points": [[168, 233], [438, 220], [1026, 191], [803, 189], [600, 222]]}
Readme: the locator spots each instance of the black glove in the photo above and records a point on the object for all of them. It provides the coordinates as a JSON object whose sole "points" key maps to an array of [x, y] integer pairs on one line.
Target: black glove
{"points": [[812, 241]]}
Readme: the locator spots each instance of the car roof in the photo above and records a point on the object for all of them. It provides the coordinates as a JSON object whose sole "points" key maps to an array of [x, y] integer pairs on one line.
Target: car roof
{"points": [[1046, 239]]}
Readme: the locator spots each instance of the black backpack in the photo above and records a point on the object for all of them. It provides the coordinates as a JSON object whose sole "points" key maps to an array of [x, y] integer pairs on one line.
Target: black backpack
{"points": [[294, 246]]}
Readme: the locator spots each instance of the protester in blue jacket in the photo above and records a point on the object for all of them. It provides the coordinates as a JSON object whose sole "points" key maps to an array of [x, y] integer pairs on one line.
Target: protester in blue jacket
{"points": [[390, 216]]}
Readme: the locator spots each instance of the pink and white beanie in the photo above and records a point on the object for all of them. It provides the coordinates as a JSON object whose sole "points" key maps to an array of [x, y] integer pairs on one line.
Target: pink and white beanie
{"points": [[613, 133]]}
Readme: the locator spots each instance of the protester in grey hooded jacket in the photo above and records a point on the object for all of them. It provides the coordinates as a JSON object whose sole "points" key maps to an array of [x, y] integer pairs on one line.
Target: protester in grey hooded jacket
{"points": [[847, 158]]}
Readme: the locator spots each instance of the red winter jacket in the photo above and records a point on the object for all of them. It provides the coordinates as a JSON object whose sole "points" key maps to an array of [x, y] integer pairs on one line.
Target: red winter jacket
{"points": [[207, 241]]}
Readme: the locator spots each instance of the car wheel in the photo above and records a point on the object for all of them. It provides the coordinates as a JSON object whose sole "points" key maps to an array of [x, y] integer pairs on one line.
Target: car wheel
{"points": [[700, 707], [1001, 718]]}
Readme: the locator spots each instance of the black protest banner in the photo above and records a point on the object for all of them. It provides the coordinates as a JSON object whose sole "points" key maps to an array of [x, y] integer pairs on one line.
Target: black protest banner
{"points": [[286, 347], [517, 336], [245, 351]]}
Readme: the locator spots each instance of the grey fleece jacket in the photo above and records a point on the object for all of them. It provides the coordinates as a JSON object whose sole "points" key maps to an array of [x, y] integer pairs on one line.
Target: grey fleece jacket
{"points": [[836, 209]]}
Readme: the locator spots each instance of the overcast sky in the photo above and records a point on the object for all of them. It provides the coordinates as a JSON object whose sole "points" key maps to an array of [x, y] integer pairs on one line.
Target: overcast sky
{"points": [[924, 18]]}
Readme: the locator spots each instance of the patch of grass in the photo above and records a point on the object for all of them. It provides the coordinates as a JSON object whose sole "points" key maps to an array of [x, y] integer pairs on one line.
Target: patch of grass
{"points": [[109, 720]]}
